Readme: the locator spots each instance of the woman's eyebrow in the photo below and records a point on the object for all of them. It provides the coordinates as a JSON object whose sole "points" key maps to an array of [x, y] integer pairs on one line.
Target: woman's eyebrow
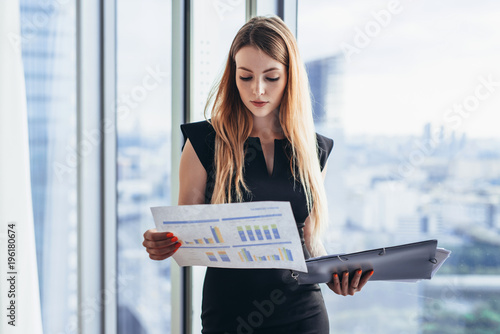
{"points": [[268, 70]]}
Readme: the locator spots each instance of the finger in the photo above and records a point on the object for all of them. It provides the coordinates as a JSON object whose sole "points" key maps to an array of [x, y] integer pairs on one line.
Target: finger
{"points": [[155, 235], [162, 257], [345, 283], [354, 285], [336, 285], [159, 244], [164, 250], [366, 276]]}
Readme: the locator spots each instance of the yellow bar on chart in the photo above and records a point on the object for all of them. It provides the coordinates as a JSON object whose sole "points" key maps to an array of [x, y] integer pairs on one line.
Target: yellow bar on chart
{"points": [[219, 235], [286, 254]]}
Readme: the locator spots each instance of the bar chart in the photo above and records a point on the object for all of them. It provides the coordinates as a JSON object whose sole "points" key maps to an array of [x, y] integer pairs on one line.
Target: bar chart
{"points": [[222, 254], [234, 235], [264, 232], [216, 238], [282, 254], [211, 256]]}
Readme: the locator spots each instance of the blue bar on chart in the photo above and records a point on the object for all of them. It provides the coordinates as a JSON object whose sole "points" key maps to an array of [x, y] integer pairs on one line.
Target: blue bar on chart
{"points": [[284, 255], [267, 233], [275, 231], [223, 256], [242, 233], [217, 235], [250, 233], [258, 232], [201, 241], [211, 256], [245, 255]]}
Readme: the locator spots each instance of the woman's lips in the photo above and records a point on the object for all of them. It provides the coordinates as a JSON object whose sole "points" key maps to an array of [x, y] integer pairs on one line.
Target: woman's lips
{"points": [[258, 103]]}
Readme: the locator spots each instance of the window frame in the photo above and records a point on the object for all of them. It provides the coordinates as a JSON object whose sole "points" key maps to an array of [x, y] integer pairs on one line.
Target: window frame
{"points": [[90, 165], [96, 171]]}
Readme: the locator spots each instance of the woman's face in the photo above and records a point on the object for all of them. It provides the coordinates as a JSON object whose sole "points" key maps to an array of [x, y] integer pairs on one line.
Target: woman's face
{"points": [[261, 81]]}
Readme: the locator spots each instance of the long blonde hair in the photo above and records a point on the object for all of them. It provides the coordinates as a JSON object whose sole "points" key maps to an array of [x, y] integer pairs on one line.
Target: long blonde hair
{"points": [[233, 122]]}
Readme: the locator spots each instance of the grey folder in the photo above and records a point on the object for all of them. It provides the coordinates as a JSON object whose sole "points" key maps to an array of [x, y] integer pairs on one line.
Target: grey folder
{"points": [[408, 262]]}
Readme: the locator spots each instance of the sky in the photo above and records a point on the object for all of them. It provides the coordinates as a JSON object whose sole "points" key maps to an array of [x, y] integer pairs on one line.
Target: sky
{"points": [[416, 63]]}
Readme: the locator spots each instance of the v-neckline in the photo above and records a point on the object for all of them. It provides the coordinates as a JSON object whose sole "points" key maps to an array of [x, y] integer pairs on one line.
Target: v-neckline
{"points": [[257, 139]]}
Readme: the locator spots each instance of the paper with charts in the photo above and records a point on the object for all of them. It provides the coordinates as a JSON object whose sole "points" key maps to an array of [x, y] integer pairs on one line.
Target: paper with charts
{"points": [[235, 235]]}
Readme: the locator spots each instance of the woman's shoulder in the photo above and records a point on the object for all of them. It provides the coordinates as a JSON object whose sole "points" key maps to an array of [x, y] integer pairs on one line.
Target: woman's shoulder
{"points": [[201, 127], [325, 146], [201, 135], [324, 143], [199, 131]]}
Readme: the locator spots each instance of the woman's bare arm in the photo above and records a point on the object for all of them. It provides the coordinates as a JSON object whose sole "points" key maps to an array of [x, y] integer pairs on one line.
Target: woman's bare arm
{"points": [[192, 177], [192, 183]]}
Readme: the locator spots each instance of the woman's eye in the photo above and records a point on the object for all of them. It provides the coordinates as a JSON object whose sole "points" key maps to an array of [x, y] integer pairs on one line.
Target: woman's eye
{"points": [[250, 78]]}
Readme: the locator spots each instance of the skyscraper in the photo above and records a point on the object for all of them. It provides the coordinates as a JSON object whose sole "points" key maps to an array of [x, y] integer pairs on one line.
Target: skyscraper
{"points": [[48, 52]]}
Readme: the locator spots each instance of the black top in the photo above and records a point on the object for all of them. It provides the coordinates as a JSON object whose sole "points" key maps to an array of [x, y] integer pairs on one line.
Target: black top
{"points": [[231, 295]]}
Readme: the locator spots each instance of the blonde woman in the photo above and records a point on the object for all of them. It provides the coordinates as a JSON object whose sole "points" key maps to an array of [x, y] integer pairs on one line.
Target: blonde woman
{"points": [[259, 145]]}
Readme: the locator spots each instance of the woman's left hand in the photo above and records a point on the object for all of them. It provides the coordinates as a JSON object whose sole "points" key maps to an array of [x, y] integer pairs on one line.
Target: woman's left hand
{"points": [[349, 287]]}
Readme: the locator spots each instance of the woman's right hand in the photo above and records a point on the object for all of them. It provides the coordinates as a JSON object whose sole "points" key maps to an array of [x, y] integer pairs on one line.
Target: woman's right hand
{"points": [[160, 245]]}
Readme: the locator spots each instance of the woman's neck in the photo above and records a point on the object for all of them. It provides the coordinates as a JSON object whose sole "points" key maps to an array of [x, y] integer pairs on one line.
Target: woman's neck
{"points": [[267, 128]]}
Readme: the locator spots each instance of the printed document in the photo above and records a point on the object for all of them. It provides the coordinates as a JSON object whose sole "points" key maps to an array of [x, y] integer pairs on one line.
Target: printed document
{"points": [[235, 235]]}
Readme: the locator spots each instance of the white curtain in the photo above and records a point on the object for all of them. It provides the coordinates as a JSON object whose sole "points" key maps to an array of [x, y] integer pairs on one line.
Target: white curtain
{"points": [[15, 188]]}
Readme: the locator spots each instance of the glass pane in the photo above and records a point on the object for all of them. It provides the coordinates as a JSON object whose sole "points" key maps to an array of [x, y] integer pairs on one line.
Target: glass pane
{"points": [[48, 48], [409, 91], [143, 161], [215, 23], [267, 7]]}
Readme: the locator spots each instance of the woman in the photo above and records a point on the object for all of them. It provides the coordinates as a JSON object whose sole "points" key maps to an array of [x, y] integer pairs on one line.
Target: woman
{"points": [[259, 145]]}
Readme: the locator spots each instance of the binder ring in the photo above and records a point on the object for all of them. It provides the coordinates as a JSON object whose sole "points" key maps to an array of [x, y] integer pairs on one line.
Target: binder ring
{"points": [[382, 252], [295, 276], [338, 256]]}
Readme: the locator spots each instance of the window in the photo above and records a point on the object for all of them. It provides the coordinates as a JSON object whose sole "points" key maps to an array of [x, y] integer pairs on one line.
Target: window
{"points": [[143, 114], [48, 51], [215, 23], [409, 93]]}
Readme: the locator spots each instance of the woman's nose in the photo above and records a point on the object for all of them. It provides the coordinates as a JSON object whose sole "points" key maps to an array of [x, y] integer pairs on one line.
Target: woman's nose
{"points": [[258, 88]]}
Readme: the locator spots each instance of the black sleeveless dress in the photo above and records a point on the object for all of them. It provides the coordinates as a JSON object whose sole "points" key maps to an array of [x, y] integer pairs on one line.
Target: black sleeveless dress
{"points": [[260, 300]]}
